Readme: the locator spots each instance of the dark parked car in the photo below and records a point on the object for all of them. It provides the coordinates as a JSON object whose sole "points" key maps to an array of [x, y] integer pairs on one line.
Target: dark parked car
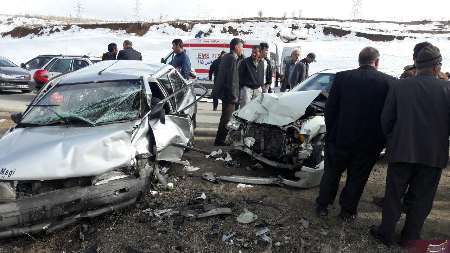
{"points": [[12, 77]]}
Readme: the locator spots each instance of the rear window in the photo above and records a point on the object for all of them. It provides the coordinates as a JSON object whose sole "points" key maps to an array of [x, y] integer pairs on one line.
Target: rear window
{"points": [[38, 62]]}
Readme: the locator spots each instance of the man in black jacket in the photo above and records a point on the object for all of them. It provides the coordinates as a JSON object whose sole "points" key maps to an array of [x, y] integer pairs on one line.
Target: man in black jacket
{"points": [[128, 53], [311, 57], [111, 54], [251, 77], [416, 122], [354, 137], [213, 71], [226, 87]]}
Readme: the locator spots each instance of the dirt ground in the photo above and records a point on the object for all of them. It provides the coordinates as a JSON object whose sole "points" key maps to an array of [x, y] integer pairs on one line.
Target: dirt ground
{"points": [[288, 214]]}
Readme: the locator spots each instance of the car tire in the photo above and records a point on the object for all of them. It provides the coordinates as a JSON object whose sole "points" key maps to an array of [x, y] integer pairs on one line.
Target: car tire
{"points": [[316, 156]]}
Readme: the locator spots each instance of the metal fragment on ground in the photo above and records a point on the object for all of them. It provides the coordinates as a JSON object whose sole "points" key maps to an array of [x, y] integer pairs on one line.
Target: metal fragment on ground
{"points": [[243, 186], [249, 180], [215, 212], [247, 217]]}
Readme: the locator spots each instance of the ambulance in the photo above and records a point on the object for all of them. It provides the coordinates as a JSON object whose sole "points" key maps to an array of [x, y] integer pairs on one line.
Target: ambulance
{"points": [[202, 52]]}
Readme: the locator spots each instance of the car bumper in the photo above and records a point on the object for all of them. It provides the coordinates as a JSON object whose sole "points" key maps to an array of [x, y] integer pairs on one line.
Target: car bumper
{"points": [[13, 85], [54, 210]]}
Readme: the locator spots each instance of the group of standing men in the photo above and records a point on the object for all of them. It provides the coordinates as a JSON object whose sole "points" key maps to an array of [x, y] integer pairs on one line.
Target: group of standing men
{"points": [[238, 80], [368, 111], [127, 53]]}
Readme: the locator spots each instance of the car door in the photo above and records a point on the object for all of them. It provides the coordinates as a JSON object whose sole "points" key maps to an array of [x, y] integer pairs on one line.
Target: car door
{"points": [[58, 67]]}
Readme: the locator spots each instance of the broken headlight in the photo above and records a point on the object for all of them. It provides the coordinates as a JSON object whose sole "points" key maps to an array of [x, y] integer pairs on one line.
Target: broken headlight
{"points": [[233, 124]]}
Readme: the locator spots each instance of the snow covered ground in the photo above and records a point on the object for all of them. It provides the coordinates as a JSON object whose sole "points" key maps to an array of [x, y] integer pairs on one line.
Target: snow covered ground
{"points": [[331, 51]]}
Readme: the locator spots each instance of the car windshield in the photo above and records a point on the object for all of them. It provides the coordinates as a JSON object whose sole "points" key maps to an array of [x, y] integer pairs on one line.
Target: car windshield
{"points": [[87, 104], [38, 62], [6, 63], [319, 81]]}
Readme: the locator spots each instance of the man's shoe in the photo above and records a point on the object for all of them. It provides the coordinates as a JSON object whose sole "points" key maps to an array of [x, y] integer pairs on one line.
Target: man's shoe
{"points": [[347, 216], [379, 237], [321, 211]]}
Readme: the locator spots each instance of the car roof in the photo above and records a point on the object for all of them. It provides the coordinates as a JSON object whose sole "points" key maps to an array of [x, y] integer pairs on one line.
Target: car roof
{"points": [[333, 71], [115, 70]]}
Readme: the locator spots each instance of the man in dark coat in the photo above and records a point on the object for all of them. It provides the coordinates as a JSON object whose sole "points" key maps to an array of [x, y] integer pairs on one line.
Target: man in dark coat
{"points": [[311, 57], [416, 122], [226, 87], [213, 71], [251, 77], [354, 137], [268, 69], [111, 54], [128, 53], [181, 60], [288, 67]]}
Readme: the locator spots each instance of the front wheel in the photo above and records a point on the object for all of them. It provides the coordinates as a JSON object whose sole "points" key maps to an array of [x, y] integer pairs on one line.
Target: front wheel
{"points": [[317, 155]]}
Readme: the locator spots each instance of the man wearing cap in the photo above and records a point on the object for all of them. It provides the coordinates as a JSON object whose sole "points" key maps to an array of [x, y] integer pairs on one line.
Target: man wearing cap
{"points": [[311, 57], [416, 121]]}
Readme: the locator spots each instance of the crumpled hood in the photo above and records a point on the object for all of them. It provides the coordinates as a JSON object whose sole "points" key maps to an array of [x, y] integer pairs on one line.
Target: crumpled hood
{"points": [[57, 152], [277, 109]]}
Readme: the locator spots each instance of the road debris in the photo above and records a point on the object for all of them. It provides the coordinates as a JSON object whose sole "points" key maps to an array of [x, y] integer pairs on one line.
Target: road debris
{"points": [[215, 212], [202, 196], [243, 186], [247, 217], [191, 168], [215, 154]]}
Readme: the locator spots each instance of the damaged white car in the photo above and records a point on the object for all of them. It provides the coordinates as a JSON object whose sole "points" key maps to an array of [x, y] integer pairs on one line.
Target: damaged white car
{"points": [[89, 143], [286, 130]]}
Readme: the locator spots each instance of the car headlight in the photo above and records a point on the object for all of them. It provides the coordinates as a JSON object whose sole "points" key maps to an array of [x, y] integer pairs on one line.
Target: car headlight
{"points": [[233, 124]]}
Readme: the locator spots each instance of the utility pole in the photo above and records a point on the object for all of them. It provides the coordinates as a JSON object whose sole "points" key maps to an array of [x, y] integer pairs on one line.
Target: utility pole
{"points": [[356, 9], [137, 10], [79, 9]]}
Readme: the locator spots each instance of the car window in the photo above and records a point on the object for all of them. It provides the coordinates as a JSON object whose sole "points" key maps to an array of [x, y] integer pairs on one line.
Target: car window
{"points": [[37, 63], [320, 81], [165, 82], [61, 66], [79, 64], [178, 83]]}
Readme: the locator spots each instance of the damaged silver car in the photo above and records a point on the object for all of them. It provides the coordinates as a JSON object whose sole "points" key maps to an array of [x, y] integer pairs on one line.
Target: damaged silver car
{"points": [[89, 144], [286, 130]]}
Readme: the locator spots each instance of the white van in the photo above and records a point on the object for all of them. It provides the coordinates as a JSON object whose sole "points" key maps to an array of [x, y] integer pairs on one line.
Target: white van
{"points": [[202, 52]]}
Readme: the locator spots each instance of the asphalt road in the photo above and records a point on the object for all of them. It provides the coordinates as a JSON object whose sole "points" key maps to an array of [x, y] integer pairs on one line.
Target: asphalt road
{"points": [[207, 119]]}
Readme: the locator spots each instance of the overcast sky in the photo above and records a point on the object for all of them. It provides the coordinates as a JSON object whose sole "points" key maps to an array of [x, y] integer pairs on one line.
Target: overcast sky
{"points": [[153, 9]]}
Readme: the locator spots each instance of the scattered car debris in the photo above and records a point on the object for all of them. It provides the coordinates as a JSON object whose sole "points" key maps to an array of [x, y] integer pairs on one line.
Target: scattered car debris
{"points": [[243, 186], [308, 178], [215, 212], [228, 158], [191, 168], [246, 217], [226, 237], [215, 154], [202, 196]]}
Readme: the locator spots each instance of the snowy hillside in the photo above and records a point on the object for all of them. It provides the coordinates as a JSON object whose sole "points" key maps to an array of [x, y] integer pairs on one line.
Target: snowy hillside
{"points": [[336, 42]]}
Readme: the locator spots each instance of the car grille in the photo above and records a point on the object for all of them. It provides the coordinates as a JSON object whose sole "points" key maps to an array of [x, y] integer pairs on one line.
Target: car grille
{"points": [[269, 141]]}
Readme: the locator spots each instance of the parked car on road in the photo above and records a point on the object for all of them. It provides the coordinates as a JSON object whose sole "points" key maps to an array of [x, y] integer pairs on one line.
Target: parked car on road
{"points": [[12, 77], [286, 130], [46, 67], [90, 142]]}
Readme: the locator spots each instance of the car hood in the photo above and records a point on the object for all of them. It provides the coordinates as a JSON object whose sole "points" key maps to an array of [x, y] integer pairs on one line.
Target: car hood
{"points": [[58, 152], [14, 71], [277, 109]]}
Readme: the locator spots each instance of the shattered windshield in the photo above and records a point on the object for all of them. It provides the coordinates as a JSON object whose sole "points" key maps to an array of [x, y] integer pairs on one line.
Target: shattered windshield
{"points": [[87, 104], [320, 81]]}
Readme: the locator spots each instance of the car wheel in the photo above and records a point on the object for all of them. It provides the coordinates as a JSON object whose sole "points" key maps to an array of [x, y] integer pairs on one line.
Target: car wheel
{"points": [[316, 156], [25, 91]]}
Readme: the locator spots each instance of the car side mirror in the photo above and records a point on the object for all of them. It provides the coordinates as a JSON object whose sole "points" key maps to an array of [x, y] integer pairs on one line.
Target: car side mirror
{"points": [[16, 117], [157, 112], [22, 65], [163, 61]]}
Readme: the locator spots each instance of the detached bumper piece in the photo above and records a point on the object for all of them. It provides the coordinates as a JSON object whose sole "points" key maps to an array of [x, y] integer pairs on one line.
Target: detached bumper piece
{"points": [[54, 210]]}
